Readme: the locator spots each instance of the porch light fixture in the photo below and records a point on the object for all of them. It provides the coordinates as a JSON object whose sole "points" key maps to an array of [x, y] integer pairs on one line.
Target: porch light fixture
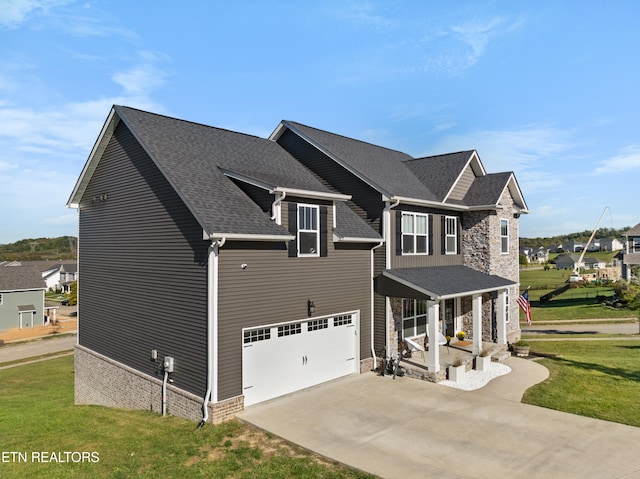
{"points": [[311, 307]]}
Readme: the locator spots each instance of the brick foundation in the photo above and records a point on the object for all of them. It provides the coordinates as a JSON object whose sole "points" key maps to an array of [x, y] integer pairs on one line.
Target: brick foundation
{"points": [[103, 381]]}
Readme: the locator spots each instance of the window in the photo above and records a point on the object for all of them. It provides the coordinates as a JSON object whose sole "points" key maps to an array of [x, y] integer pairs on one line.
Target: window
{"points": [[317, 324], [504, 236], [289, 329], [342, 320], [257, 335], [451, 234], [635, 248], [308, 231], [414, 317], [415, 233]]}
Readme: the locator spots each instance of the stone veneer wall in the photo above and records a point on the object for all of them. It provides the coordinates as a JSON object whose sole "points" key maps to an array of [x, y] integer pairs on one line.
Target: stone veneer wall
{"points": [[481, 250], [103, 381]]}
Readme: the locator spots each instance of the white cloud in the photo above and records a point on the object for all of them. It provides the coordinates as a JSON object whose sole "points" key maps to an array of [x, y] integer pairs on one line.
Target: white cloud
{"points": [[15, 12], [139, 79], [628, 159]]}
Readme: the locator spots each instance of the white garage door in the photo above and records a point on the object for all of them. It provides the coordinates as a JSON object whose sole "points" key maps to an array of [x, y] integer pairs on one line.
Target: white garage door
{"points": [[279, 359]]}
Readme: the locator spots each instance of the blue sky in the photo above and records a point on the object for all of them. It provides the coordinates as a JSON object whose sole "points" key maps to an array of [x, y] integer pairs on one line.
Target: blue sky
{"points": [[546, 89]]}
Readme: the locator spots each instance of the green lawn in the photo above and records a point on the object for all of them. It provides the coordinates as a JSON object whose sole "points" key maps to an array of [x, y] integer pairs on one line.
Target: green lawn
{"points": [[576, 303], [599, 379], [38, 415]]}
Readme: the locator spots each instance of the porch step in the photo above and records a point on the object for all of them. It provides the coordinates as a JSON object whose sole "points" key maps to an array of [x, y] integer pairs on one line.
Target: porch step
{"points": [[500, 356]]}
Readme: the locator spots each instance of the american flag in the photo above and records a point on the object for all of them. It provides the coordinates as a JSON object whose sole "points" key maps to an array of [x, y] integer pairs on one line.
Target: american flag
{"points": [[525, 305]]}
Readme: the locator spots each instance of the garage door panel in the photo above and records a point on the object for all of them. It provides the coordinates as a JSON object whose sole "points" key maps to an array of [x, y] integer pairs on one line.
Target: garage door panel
{"points": [[280, 359]]}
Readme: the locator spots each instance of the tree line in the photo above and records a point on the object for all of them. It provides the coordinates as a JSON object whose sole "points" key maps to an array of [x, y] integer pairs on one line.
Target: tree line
{"points": [[579, 236], [34, 249]]}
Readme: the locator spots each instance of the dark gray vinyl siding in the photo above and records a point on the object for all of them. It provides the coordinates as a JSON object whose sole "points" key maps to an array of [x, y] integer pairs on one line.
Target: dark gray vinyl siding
{"points": [[365, 201], [418, 261], [463, 185], [142, 264], [275, 288]]}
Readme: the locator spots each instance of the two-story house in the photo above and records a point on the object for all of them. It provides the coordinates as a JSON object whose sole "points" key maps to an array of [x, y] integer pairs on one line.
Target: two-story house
{"points": [[631, 255], [259, 267]]}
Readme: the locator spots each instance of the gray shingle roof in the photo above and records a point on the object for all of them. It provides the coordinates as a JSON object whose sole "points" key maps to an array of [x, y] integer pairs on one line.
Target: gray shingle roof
{"points": [[383, 168], [635, 231], [439, 172], [486, 190], [350, 225], [16, 278], [190, 155], [447, 281]]}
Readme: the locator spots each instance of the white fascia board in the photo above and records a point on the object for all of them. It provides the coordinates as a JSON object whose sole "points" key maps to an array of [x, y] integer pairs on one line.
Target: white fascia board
{"points": [[22, 290], [289, 191], [437, 297], [320, 195], [434, 204], [349, 239], [246, 237], [455, 182], [409, 284], [94, 157]]}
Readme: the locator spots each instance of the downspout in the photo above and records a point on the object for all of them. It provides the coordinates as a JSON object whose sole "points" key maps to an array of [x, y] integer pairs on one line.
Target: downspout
{"points": [[212, 328], [373, 352], [275, 208], [386, 226]]}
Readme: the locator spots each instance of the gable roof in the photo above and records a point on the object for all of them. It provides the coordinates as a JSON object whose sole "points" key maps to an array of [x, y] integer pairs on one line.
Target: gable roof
{"points": [[382, 168], [20, 278], [635, 231], [421, 181], [197, 160]]}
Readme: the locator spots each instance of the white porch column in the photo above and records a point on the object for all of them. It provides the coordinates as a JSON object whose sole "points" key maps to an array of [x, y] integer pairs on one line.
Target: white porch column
{"points": [[501, 319], [433, 312], [477, 323]]}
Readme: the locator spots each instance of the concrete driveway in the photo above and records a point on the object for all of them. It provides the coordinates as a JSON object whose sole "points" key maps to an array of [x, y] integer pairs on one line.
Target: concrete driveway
{"points": [[407, 428]]}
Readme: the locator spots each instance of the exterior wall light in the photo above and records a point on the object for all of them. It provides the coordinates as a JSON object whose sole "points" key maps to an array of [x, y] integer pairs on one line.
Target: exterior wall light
{"points": [[311, 307]]}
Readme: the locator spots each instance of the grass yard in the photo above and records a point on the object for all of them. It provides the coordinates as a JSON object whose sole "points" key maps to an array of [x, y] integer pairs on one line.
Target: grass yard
{"points": [[38, 415], [576, 303], [599, 379]]}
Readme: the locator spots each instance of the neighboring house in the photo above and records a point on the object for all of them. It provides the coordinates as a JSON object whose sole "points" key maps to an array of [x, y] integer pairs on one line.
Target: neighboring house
{"points": [[540, 254], [631, 255], [59, 276], [264, 266], [573, 246], [611, 244], [570, 261], [21, 297]]}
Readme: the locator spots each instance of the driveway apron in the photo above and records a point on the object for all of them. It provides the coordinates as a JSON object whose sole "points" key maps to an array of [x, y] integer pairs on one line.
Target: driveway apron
{"points": [[407, 428]]}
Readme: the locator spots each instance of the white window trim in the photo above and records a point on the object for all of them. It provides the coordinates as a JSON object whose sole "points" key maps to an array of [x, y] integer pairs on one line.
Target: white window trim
{"points": [[414, 234], [504, 236], [447, 235], [414, 317], [1, 298], [316, 231], [506, 306]]}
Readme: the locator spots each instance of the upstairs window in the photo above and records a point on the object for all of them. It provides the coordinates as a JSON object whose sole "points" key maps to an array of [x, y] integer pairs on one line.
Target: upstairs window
{"points": [[450, 235], [415, 233], [504, 236], [308, 231], [309, 226], [635, 245]]}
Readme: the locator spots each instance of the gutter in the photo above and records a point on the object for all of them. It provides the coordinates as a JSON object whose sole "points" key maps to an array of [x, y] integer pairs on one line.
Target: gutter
{"points": [[373, 352], [212, 329], [276, 208]]}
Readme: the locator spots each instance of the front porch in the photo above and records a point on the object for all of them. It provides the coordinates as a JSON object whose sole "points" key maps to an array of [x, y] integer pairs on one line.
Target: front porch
{"points": [[416, 365]]}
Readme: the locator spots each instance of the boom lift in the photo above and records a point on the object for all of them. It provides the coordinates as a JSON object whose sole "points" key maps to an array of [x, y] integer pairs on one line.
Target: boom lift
{"points": [[575, 276]]}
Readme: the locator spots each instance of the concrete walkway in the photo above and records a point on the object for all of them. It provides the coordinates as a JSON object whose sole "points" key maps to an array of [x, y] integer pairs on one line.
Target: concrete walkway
{"points": [[407, 428]]}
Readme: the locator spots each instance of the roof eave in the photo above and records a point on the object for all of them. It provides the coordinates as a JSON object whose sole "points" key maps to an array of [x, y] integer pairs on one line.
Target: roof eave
{"points": [[246, 237], [91, 164]]}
